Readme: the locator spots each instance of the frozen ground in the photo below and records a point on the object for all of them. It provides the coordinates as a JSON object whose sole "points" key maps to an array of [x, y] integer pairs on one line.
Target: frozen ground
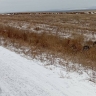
{"points": [[65, 33], [22, 77]]}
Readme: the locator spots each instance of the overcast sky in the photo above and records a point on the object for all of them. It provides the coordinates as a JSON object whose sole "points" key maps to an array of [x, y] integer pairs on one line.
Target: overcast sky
{"points": [[42, 5]]}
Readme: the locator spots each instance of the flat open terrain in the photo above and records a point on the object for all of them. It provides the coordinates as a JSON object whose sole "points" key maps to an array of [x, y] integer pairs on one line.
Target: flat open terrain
{"points": [[52, 37], [64, 33], [58, 54]]}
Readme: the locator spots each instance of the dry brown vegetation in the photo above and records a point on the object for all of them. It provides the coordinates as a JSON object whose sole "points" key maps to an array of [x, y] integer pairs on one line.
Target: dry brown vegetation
{"points": [[51, 38]]}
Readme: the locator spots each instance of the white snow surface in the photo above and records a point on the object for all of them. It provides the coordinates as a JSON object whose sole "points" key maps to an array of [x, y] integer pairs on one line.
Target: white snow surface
{"points": [[22, 77]]}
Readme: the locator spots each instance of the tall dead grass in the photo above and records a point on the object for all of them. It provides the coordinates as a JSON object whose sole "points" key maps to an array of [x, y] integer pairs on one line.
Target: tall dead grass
{"points": [[44, 42]]}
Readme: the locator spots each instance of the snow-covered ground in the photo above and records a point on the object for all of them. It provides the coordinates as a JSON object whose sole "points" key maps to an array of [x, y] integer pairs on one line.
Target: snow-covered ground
{"points": [[65, 33], [22, 77]]}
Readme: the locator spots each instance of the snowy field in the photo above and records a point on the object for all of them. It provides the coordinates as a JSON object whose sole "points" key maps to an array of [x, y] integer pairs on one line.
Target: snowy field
{"points": [[22, 77]]}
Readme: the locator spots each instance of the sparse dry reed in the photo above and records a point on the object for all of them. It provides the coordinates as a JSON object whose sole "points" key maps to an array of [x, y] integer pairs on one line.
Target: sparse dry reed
{"points": [[43, 42], [48, 42]]}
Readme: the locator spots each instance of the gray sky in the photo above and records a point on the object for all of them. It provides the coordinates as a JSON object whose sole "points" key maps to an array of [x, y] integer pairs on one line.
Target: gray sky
{"points": [[42, 5]]}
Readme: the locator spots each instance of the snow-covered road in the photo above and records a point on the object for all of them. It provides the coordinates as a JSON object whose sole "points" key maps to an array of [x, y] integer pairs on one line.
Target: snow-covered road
{"points": [[22, 77]]}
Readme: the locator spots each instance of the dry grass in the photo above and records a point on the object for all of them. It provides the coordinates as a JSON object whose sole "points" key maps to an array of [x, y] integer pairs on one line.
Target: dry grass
{"points": [[42, 42], [45, 42]]}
